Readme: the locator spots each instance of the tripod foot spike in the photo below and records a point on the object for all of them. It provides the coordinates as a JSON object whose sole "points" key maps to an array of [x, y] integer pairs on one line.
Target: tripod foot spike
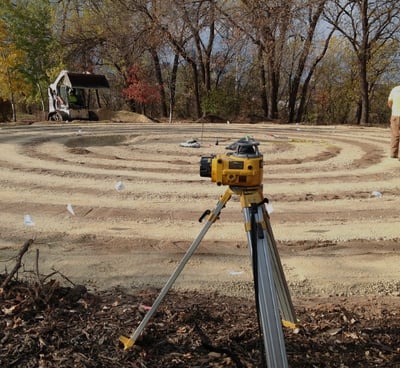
{"points": [[127, 342]]}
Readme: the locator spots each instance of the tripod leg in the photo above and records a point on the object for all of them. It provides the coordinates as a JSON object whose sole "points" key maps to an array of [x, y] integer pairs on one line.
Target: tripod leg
{"points": [[248, 199], [130, 341], [285, 300], [267, 303]]}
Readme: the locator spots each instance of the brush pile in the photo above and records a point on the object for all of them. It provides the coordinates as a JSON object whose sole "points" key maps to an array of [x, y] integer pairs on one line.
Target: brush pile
{"points": [[46, 324]]}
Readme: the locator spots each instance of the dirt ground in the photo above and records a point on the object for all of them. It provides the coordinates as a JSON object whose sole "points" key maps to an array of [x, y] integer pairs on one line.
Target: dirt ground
{"points": [[116, 204], [335, 236]]}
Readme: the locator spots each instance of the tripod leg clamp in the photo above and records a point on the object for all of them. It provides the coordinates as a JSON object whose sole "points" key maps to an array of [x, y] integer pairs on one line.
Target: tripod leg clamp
{"points": [[205, 213]]}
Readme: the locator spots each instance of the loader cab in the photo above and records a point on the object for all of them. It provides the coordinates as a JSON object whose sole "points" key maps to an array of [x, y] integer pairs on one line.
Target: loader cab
{"points": [[71, 97], [75, 96]]}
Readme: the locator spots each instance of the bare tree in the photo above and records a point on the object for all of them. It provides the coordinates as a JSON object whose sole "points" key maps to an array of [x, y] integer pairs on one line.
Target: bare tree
{"points": [[198, 24], [189, 28], [309, 53], [367, 25], [266, 24], [123, 38]]}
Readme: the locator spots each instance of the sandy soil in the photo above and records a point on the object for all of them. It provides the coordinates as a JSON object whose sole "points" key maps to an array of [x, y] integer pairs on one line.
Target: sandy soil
{"points": [[335, 236]]}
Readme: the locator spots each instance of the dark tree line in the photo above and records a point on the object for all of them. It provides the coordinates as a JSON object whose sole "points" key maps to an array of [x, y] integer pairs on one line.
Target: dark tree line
{"points": [[247, 58]]}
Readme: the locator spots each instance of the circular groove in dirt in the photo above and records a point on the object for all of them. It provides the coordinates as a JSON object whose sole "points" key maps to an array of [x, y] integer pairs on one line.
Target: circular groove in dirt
{"points": [[319, 180]]}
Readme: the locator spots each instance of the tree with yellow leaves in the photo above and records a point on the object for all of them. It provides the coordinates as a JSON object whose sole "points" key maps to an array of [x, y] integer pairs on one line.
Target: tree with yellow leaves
{"points": [[12, 84]]}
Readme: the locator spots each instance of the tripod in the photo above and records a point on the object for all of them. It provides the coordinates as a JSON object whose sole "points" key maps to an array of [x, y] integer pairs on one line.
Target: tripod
{"points": [[271, 290]]}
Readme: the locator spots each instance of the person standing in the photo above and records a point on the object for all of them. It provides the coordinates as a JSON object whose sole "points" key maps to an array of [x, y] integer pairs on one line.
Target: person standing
{"points": [[394, 104]]}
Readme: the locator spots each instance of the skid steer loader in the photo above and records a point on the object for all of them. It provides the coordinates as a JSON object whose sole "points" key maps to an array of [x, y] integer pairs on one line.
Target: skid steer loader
{"points": [[72, 95]]}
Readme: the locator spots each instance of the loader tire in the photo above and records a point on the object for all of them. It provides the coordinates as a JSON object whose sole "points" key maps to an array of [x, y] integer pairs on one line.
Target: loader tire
{"points": [[57, 116], [93, 116]]}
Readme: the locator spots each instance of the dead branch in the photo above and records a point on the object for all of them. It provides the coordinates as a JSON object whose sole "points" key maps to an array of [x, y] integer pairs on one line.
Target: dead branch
{"points": [[17, 266], [59, 273], [37, 268]]}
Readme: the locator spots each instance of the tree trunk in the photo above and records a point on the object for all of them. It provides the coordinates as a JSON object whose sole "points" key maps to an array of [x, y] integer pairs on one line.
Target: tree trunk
{"points": [[364, 118], [13, 107], [303, 98], [294, 85], [41, 97], [174, 74], [363, 58], [12, 99], [196, 89], [160, 81], [304, 89], [263, 80], [209, 48], [273, 89]]}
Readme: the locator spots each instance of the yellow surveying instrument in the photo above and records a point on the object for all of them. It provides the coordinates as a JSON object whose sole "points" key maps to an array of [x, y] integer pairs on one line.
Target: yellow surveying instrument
{"points": [[242, 168], [242, 171]]}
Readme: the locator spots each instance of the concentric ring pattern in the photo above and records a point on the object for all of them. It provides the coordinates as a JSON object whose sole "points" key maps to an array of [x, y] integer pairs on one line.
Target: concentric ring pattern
{"points": [[112, 196]]}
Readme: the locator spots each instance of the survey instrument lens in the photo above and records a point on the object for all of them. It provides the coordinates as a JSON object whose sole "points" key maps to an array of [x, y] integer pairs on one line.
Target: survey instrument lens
{"points": [[243, 167], [205, 166]]}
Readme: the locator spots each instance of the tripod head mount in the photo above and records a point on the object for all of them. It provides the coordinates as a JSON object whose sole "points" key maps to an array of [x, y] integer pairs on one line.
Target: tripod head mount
{"points": [[241, 168]]}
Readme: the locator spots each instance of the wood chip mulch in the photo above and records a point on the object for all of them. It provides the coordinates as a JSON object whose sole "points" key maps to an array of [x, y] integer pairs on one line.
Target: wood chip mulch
{"points": [[49, 325]]}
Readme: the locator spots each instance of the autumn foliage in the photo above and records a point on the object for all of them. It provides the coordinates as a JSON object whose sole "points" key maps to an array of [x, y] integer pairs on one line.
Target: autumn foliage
{"points": [[139, 89]]}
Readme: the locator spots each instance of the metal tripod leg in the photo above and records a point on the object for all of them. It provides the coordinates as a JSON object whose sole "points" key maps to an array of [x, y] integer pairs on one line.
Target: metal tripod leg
{"points": [[248, 199], [284, 298], [130, 341], [266, 299]]}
